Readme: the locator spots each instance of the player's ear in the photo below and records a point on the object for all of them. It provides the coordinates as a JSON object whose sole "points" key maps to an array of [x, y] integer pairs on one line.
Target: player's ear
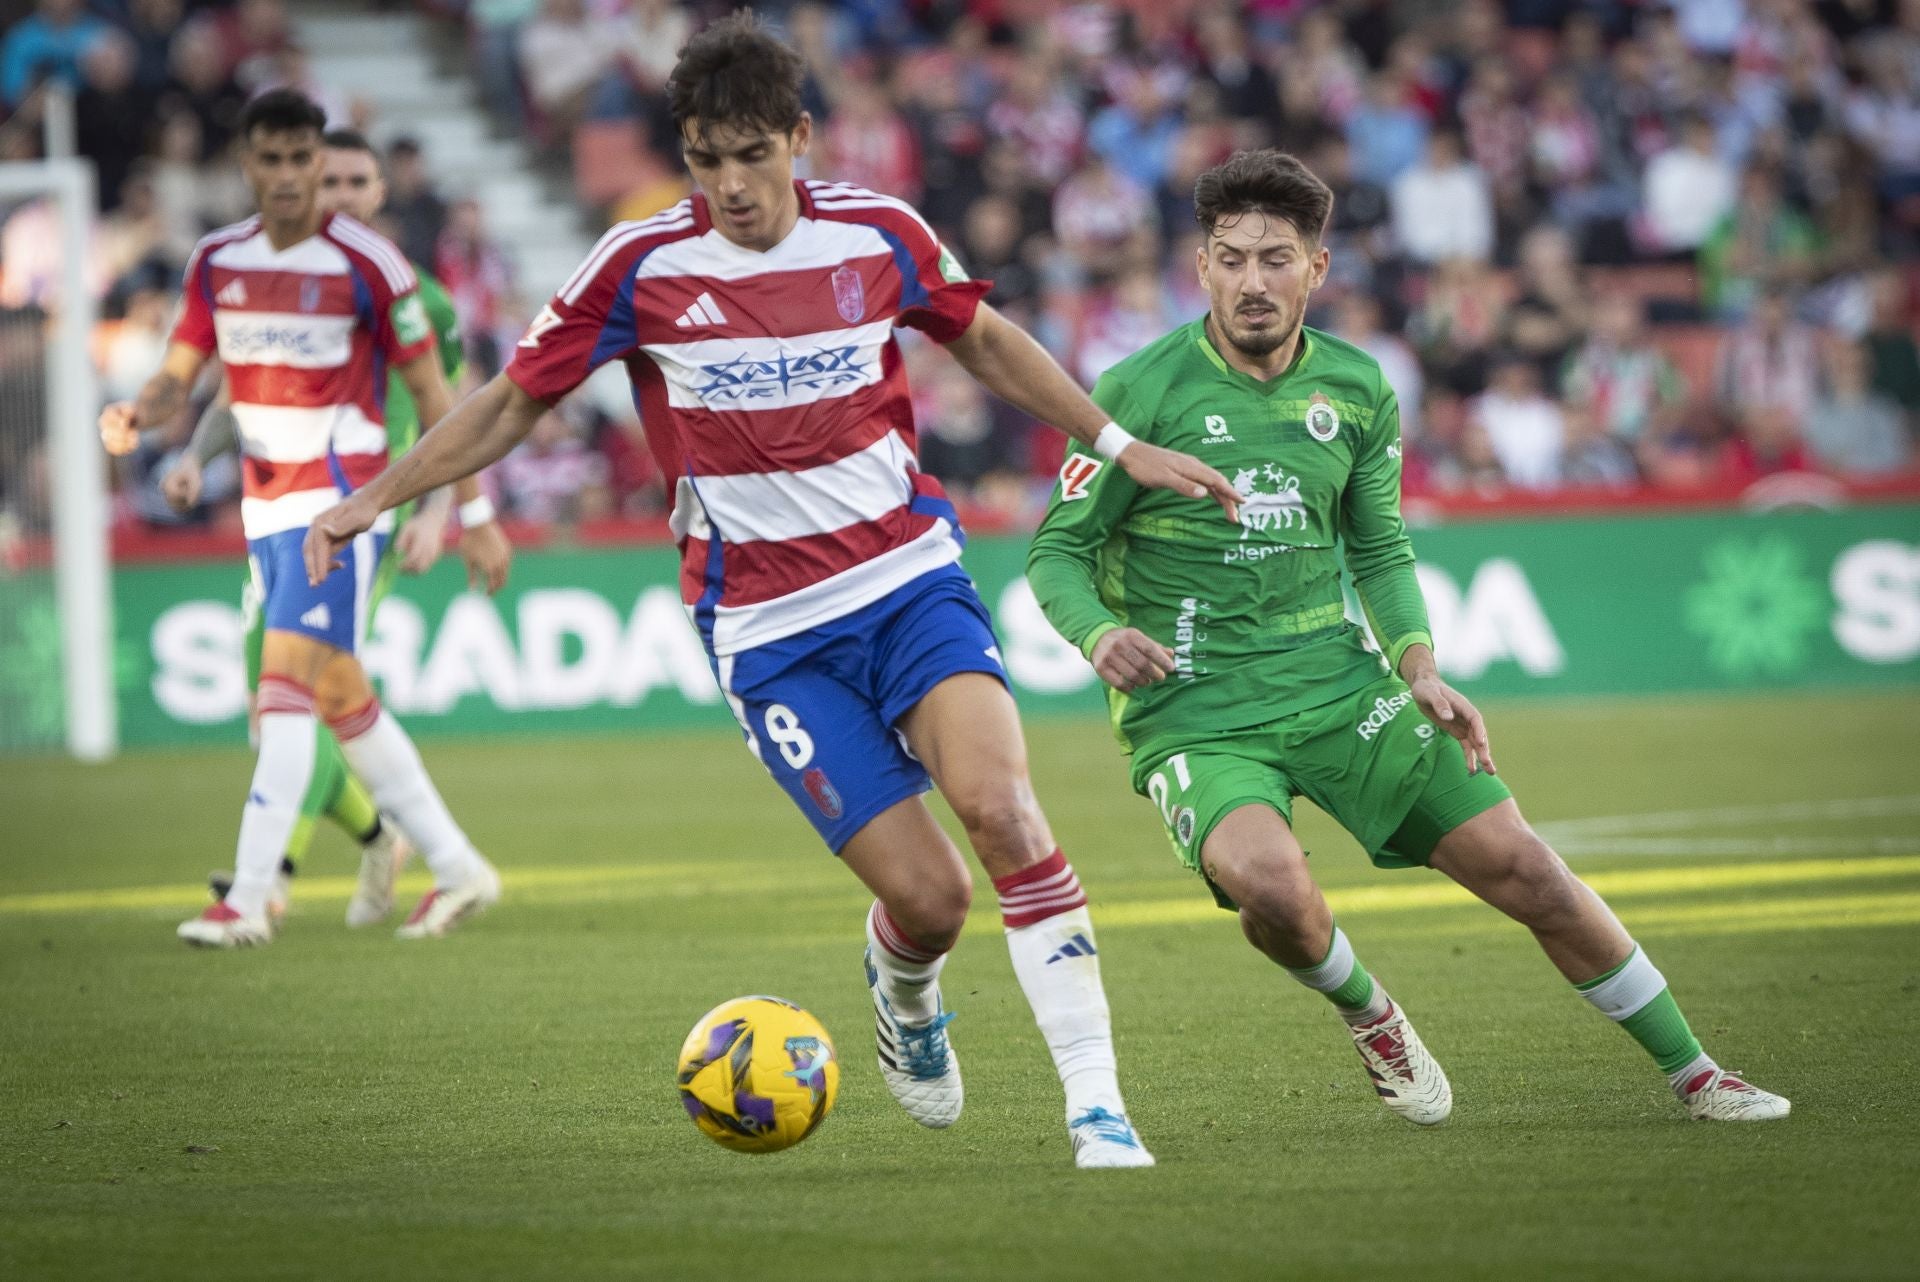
{"points": [[802, 136], [1200, 263], [1317, 276]]}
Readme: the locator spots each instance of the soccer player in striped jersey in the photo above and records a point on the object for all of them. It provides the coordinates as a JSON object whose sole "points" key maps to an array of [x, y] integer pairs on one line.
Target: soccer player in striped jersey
{"points": [[819, 564], [351, 183], [306, 309]]}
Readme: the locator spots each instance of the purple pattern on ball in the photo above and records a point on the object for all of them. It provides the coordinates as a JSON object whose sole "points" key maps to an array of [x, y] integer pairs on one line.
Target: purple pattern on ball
{"points": [[754, 1110], [719, 1037]]}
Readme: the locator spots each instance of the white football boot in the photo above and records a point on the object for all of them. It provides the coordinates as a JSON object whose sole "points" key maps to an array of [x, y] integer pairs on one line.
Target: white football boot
{"points": [[223, 927], [278, 900], [916, 1060], [443, 908], [1716, 1095], [380, 863], [1103, 1140], [1407, 1078]]}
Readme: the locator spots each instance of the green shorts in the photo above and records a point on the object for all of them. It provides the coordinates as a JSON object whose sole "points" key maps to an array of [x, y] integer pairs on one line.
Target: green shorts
{"points": [[1369, 759]]}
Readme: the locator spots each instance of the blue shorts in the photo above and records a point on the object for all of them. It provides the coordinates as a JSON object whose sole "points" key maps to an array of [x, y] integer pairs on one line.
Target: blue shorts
{"points": [[819, 707], [337, 612]]}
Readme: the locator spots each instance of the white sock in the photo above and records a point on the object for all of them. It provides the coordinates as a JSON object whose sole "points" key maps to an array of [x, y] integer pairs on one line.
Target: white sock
{"points": [[282, 773], [387, 762], [908, 975], [1678, 1079], [1050, 937]]}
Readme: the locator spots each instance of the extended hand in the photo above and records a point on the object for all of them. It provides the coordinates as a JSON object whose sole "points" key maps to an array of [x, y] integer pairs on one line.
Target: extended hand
{"points": [[1162, 469], [1449, 709], [421, 540], [117, 430], [182, 484], [1127, 658], [331, 531], [488, 554]]}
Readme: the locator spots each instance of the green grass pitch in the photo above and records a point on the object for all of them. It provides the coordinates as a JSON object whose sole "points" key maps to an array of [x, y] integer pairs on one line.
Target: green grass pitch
{"points": [[500, 1104]]}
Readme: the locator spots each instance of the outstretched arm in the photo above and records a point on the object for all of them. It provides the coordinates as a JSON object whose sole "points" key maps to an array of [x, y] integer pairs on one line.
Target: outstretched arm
{"points": [[1010, 364], [479, 431], [215, 434], [161, 401]]}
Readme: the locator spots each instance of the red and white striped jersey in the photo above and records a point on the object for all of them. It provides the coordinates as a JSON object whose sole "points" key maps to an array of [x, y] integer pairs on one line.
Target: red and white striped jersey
{"points": [[770, 385], [307, 334]]}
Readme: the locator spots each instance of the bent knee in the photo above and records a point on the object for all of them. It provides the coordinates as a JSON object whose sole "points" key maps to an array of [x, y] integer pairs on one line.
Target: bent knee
{"points": [[1004, 817], [1539, 887]]}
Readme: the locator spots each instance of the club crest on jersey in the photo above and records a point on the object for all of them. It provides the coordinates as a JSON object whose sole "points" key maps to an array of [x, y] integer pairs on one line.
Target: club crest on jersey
{"points": [[309, 294], [1076, 474], [824, 794], [849, 295], [1323, 421]]}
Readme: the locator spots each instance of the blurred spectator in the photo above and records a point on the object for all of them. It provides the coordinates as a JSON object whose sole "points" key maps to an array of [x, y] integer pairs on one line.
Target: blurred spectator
{"points": [[1761, 241], [1550, 313], [651, 35], [112, 112], [1497, 133], [1102, 218], [1358, 321], [477, 277], [1855, 431], [1136, 133], [961, 440], [1386, 132], [1772, 361], [1768, 442], [50, 43], [869, 144], [496, 26], [1247, 89], [253, 34], [1594, 457], [1442, 208], [1689, 189], [136, 344], [551, 477], [1525, 428], [1890, 343], [565, 52], [1619, 380], [412, 203], [1042, 121], [150, 25], [1119, 322], [991, 243], [203, 84]]}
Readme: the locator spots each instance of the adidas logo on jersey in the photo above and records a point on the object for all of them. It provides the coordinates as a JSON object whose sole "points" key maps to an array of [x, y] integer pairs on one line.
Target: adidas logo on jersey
{"points": [[234, 295], [704, 312], [1078, 946], [319, 617]]}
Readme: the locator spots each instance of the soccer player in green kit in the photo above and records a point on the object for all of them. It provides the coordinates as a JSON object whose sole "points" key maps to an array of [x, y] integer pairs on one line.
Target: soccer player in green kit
{"points": [[352, 184], [1237, 682]]}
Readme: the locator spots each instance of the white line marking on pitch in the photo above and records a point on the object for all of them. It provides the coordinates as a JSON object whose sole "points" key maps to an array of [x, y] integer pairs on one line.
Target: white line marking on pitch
{"points": [[1722, 816]]}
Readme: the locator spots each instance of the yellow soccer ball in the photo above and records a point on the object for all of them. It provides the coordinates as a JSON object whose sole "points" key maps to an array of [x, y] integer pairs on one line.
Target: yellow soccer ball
{"points": [[758, 1074]]}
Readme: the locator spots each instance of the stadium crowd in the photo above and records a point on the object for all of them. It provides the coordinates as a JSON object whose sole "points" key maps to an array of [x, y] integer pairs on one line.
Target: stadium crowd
{"points": [[1595, 244]]}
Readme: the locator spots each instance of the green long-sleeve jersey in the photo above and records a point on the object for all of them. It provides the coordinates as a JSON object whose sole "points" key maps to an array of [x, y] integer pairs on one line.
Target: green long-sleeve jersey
{"points": [[1254, 612]]}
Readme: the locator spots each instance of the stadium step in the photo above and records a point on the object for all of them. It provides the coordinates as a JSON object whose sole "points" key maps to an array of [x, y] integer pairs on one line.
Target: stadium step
{"points": [[390, 60]]}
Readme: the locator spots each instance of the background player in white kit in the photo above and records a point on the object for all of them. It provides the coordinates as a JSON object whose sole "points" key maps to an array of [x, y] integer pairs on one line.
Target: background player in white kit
{"points": [[306, 309], [755, 321]]}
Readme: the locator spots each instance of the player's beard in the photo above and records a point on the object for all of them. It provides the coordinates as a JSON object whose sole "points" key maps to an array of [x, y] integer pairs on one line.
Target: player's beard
{"points": [[1259, 343]]}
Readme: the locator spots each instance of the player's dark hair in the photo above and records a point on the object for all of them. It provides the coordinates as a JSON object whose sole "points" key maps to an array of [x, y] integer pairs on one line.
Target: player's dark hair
{"points": [[738, 74], [353, 140], [1268, 182], [282, 111]]}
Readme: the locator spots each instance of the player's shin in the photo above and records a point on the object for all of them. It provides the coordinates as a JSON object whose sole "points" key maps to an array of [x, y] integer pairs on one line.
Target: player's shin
{"points": [[906, 971], [1050, 937], [281, 777], [380, 752]]}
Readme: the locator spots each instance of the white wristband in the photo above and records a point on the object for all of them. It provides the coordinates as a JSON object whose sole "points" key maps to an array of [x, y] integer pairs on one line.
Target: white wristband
{"points": [[1112, 439], [475, 512]]}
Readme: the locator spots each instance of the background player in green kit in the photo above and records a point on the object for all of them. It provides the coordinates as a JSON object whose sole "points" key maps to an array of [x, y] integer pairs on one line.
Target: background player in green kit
{"points": [[1238, 683], [352, 184]]}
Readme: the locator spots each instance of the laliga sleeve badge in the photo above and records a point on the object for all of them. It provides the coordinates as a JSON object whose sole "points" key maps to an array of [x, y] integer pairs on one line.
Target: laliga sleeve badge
{"points": [[1076, 474], [1323, 421]]}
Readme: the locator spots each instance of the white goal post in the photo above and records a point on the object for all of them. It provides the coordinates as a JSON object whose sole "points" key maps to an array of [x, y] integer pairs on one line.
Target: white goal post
{"points": [[83, 589]]}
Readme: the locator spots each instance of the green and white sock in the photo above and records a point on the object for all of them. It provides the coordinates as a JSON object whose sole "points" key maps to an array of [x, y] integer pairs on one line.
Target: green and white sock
{"points": [[1345, 982], [335, 794], [1635, 996]]}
